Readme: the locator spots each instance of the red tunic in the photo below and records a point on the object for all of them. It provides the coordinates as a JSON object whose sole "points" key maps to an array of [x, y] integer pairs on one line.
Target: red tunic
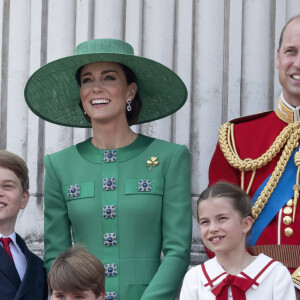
{"points": [[253, 138]]}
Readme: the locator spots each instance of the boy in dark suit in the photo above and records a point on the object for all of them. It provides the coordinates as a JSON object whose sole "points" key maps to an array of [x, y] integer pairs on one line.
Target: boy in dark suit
{"points": [[22, 276]]}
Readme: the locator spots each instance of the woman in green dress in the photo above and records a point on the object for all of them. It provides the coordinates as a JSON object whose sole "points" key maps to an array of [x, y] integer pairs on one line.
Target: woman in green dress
{"points": [[125, 196]]}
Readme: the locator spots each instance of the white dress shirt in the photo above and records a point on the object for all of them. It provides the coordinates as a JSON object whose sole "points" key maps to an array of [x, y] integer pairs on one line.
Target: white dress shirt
{"points": [[17, 254]]}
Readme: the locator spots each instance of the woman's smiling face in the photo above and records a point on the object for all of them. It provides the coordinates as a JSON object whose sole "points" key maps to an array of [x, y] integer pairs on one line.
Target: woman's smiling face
{"points": [[104, 92]]}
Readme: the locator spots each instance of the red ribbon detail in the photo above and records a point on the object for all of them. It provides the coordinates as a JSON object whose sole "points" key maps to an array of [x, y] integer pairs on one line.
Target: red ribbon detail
{"points": [[239, 286]]}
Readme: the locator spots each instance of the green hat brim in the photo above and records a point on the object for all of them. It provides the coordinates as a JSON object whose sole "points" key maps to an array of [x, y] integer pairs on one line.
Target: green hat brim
{"points": [[52, 92]]}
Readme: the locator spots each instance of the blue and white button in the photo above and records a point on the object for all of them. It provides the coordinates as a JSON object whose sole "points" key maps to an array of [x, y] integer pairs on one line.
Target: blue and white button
{"points": [[109, 211], [110, 239], [110, 156], [111, 270], [73, 191], [109, 184], [111, 296], [144, 185]]}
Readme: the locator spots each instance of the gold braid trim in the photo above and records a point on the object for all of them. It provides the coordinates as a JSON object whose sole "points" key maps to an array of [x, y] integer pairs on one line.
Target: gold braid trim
{"points": [[272, 183], [252, 164], [289, 137], [296, 187]]}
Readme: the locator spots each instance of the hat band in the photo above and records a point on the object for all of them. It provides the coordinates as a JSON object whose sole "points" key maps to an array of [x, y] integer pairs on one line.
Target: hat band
{"points": [[104, 46]]}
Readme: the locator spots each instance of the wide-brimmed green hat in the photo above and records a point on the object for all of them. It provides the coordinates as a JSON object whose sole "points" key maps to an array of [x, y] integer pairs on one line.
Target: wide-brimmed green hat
{"points": [[52, 92]]}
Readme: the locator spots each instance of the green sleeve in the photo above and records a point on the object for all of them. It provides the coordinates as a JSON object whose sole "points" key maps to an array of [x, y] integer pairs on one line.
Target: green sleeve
{"points": [[176, 230], [57, 234]]}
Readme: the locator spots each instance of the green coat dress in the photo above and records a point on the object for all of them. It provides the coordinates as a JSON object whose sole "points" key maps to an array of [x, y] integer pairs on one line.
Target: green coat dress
{"points": [[125, 212]]}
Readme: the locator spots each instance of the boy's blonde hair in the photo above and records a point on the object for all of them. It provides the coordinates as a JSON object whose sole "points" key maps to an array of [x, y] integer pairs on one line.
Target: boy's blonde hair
{"points": [[16, 164], [77, 270]]}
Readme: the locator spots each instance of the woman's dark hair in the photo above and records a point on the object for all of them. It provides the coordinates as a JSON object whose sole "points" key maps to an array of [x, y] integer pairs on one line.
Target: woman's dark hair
{"points": [[241, 201], [136, 103]]}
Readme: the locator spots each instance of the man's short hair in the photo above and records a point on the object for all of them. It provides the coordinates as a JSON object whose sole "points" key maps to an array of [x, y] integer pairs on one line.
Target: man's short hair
{"points": [[77, 270], [284, 28], [16, 164]]}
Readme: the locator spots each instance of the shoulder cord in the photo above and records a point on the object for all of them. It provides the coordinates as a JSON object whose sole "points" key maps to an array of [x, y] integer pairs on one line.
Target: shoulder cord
{"points": [[289, 137], [296, 187]]}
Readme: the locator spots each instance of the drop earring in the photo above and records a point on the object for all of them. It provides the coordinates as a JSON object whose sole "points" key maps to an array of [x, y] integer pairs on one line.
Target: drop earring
{"points": [[128, 107]]}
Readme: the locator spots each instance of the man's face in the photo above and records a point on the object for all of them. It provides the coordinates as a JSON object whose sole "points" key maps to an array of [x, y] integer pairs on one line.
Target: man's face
{"points": [[288, 63]]}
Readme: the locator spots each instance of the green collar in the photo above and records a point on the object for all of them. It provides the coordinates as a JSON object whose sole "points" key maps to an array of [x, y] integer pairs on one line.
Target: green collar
{"points": [[95, 155]]}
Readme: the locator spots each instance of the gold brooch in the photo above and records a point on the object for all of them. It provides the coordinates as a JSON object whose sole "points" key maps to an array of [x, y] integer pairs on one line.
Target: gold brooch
{"points": [[152, 163]]}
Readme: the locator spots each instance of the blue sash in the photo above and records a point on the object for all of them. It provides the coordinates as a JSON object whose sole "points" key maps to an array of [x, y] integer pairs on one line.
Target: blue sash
{"points": [[281, 194]]}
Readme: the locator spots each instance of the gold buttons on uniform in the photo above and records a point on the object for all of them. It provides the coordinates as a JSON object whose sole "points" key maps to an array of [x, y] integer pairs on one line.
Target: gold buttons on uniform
{"points": [[287, 220], [287, 210], [288, 231]]}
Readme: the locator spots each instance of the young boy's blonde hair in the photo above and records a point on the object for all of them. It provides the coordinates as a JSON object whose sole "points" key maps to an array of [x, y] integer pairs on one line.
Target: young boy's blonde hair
{"points": [[77, 270], [16, 164]]}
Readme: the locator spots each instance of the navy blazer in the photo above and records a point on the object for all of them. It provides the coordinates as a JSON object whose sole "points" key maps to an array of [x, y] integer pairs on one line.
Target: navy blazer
{"points": [[34, 284]]}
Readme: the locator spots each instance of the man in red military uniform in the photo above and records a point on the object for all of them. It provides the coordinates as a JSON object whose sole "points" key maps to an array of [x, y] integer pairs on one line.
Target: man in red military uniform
{"points": [[261, 154]]}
